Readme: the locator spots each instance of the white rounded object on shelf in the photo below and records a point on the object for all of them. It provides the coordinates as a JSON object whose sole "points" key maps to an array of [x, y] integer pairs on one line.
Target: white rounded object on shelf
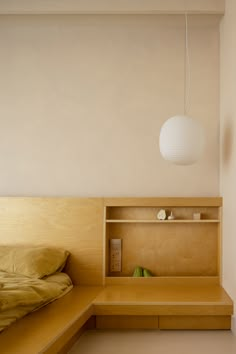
{"points": [[171, 216], [181, 140], [161, 215]]}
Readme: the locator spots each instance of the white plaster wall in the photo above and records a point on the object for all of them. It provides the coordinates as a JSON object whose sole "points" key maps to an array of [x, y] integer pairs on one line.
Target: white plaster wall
{"points": [[228, 146], [111, 6], [82, 100]]}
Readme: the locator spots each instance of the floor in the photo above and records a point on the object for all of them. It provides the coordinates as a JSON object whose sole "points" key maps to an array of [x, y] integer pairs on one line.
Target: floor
{"points": [[154, 341]]}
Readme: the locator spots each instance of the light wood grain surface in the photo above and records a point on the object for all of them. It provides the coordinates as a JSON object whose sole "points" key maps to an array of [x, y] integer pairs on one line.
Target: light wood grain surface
{"points": [[195, 322], [180, 247], [140, 213], [74, 224], [165, 202], [163, 300], [154, 294], [127, 322], [168, 250], [78, 225], [49, 329], [163, 322]]}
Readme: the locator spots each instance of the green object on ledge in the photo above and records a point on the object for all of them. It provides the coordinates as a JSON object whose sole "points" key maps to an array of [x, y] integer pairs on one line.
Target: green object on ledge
{"points": [[147, 273], [138, 272]]}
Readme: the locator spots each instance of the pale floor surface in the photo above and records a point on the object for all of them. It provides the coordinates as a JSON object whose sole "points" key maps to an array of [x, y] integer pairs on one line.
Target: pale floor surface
{"points": [[155, 341]]}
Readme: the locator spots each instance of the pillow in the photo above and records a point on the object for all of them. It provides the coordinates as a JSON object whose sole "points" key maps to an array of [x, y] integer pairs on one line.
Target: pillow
{"points": [[31, 261]]}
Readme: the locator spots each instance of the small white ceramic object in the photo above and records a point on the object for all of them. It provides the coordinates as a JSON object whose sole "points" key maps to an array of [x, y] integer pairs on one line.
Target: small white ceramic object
{"points": [[161, 215], [171, 216]]}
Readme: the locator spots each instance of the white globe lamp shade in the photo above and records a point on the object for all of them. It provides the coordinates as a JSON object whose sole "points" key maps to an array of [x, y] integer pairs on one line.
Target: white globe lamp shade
{"points": [[181, 140]]}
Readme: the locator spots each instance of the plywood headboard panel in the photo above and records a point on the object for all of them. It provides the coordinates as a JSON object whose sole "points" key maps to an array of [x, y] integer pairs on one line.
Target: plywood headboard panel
{"points": [[75, 224]]}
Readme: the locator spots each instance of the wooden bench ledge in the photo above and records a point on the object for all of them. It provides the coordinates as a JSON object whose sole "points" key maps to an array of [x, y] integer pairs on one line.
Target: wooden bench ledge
{"points": [[50, 328], [163, 300], [163, 307]]}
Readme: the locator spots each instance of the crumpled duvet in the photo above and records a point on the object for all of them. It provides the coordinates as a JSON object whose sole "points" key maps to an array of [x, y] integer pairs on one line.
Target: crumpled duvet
{"points": [[20, 295]]}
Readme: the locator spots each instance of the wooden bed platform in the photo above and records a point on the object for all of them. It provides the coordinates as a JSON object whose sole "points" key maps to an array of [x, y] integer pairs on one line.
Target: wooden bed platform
{"points": [[50, 329], [185, 255], [54, 328]]}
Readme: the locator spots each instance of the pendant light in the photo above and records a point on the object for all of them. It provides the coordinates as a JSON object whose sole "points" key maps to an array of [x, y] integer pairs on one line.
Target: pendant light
{"points": [[181, 138]]}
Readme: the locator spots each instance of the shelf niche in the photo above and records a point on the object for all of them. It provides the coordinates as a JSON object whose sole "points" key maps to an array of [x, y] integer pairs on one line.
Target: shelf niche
{"points": [[182, 247]]}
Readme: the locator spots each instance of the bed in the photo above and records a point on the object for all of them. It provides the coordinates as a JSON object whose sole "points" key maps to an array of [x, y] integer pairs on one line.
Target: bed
{"points": [[30, 278], [73, 224], [76, 224]]}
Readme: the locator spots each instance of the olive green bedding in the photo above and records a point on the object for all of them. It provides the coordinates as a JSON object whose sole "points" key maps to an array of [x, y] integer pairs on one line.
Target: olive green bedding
{"points": [[20, 295]]}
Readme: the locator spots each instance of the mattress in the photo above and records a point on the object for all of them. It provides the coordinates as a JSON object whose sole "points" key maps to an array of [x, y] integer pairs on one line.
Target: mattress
{"points": [[20, 295]]}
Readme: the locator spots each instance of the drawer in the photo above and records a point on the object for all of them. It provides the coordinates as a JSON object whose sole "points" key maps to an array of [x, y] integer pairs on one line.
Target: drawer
{"points": [[194, 322]]}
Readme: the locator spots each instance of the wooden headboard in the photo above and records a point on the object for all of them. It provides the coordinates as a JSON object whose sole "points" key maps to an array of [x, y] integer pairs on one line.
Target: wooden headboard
{"points": [[75, 224]]}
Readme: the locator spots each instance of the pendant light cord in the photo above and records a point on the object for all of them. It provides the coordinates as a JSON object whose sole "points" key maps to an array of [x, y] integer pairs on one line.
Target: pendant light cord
{"points": [[187, 69]]}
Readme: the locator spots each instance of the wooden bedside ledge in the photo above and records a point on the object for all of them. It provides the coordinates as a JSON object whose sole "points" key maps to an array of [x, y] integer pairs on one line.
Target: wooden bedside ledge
{"points": [[163, 307], [52, 329], [163, 300], [162, 294]]}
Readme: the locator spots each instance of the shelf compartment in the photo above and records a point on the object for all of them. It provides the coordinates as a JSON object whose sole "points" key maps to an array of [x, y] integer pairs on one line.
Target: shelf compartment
{"points": [[190, 248], [150, 213], [166, 248]]}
